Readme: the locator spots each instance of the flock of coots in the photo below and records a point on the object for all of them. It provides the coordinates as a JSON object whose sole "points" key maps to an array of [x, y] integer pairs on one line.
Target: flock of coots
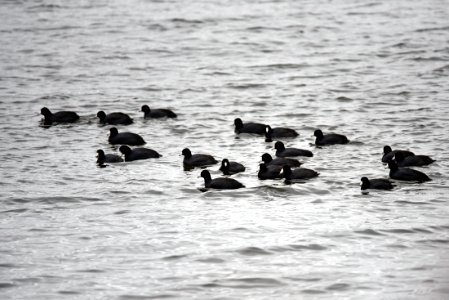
{"points": [[284, 165]]}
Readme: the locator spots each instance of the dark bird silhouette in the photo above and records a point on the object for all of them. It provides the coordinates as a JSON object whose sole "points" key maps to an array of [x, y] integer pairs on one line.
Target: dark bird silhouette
{"points": [[221, 183], [103, 158], [231, 167], [281, 151], [412, 160], [197, 160], [297, 174], [59, 117], [138, 153], [279, 132], [329, 139], [115, 118], [255, 128], [280, 161], [406, 174], [269, 171], [125, 138], [157, 113], [378, 183], [389, 153]]}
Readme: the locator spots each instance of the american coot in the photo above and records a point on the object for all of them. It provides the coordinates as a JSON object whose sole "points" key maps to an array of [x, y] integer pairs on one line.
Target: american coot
{"points": [[406, 174], [269, 171], [281, 151], [231, 167], [412, 160], [389, 153], [59, 117], [280, 161], [255, 128], [115, 118], [279, 132], [222, 183], [299, 173], [126, 138], [138, 153], [157, 113], [196, 160], [378, 183], [107, 158], [329, 139]]}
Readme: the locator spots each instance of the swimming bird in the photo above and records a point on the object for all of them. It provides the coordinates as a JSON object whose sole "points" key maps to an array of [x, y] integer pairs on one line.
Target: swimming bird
{"points": [[299, 173], [389, 153], [269, 171], [329, 139], [221, 183], [378, 183], [107, 158], [197, 160], [58, 117], [281, 151], [280, 161], [250, 127], [412, 160], [231, 167], [157, 113], [279, 132], [138, 153], [115, 118], [126, 138], [406, 174]]}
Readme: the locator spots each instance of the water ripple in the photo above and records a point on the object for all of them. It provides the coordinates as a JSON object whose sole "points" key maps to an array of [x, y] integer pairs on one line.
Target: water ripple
{"points": [[368, 232], [245, 283], [253, 251]]}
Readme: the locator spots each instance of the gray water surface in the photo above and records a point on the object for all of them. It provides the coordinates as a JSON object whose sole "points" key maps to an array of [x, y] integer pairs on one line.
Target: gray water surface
{"points": [[375, 71]]}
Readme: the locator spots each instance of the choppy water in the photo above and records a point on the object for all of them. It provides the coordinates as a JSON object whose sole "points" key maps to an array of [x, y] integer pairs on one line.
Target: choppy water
{"points": [[375, 71]]}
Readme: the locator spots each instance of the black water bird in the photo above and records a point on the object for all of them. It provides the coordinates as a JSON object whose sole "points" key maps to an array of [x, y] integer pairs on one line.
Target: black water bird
{"points": [[389, 153], [115, 118], [406, 174], [103, 158], [269, 171], [197, 160], [298, 173], [231, 167], [377, 183], [125, 138], [279, 132], [58, 117], [157, 113], [329, 139], [412, 160], [281, 151], [221, 183], [138, 153], [250, 127], [280, 161]]}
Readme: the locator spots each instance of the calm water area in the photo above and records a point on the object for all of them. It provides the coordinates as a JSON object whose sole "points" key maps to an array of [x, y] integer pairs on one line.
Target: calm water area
{"points": [[376, 71]]}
